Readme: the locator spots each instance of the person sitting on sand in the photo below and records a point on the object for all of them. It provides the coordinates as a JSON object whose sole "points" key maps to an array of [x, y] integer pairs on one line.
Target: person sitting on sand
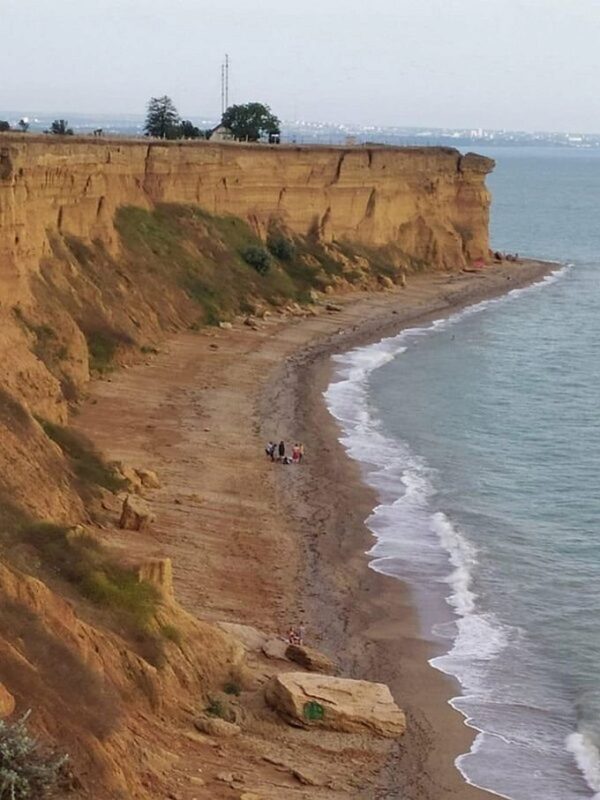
{"points": [[292, 636], [281, 450]]}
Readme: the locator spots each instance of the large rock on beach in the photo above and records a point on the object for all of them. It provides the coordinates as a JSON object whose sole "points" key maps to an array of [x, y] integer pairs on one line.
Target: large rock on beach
{"points": [[310, 659], [131, 476], [149, 478], [339, 704], [214, 726], [136, 514], [275, 648], [252, 639]]}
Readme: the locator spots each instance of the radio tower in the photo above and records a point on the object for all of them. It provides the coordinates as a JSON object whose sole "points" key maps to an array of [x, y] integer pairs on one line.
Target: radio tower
{"points": [[225, 85]]}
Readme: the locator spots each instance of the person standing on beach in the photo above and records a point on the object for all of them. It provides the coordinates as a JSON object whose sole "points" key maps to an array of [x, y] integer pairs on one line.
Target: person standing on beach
{"points": [[301, 632], [301, 449], [296, 453], [281, 450], [270, 450]]}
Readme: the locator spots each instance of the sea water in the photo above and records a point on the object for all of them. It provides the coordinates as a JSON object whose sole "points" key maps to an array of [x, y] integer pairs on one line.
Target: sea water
{"points": [[481, 433]]}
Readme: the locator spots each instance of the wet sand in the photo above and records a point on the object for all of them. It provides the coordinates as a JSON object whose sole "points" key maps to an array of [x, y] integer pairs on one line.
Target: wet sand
{"points": [[264, 544]]}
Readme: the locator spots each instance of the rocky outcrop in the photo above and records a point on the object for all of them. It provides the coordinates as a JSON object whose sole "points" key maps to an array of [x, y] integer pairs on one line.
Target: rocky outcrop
{"points": [[158, 572], [136, 514], [338, 704]]}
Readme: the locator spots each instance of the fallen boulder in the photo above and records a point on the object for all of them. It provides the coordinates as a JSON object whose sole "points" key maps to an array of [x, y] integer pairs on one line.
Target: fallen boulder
{"points": [[310, 659], [275, 648], [136, 514], [339, 704], [149, 478], [252, 639], [385, 281], [131, 476], [214, 726]]}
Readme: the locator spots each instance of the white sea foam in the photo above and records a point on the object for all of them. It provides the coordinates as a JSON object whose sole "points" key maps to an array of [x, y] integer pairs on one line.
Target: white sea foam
{"points": [[587, 757], [410, 535]]}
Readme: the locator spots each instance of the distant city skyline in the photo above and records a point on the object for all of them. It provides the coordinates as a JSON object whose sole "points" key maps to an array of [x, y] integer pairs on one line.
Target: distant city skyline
{"points": [[520, 64]]}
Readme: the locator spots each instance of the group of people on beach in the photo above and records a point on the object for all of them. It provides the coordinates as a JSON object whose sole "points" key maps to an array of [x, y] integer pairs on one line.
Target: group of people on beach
{"points": [[277, 452]]}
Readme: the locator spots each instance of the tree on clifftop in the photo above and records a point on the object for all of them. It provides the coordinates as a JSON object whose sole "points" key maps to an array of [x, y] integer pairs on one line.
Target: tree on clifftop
{"points": [[187, 130], [4, 126], [60, 127], [250, 121], [162, 119]]}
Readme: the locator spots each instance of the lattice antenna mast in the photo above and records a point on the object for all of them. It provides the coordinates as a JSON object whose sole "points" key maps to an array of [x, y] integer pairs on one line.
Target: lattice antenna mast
{"points": [[225, 85]]}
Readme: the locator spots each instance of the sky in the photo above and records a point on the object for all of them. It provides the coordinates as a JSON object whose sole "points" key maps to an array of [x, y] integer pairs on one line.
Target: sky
{"points": [[512, 64]]}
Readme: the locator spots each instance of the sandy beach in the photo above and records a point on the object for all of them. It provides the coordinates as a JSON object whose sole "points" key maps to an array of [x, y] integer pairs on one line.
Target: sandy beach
{"points": [[266, 545]]}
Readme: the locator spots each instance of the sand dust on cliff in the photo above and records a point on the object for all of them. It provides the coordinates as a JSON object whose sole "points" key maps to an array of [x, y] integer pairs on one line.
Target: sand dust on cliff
{"points": [[262, 544]]}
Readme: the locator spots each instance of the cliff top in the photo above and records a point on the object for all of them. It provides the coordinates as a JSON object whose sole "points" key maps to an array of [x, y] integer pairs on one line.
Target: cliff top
{"points": [[12, 137]]}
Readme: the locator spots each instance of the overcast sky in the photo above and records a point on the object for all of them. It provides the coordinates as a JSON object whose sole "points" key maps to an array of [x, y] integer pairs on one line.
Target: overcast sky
{"points": [[519, 64]]}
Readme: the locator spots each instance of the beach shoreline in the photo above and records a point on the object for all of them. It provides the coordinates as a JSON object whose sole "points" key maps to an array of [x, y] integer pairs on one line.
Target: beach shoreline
{"points": [[265, 545], [371, 620]]}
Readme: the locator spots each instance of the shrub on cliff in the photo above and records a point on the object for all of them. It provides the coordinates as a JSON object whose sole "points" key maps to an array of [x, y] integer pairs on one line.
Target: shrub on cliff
{"points": [[258, 258], [4, 126], [280, 247], [25, 772]]}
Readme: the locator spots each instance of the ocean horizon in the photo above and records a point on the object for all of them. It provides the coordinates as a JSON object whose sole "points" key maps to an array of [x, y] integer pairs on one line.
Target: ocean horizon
{"points": [[480, 433]]}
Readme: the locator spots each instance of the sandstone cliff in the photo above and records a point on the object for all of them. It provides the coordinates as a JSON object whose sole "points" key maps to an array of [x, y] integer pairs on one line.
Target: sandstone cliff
{"points": [[431, 202]]}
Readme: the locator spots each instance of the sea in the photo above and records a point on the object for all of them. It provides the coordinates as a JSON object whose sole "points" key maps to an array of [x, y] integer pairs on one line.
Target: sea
{"points": [[481, 434]]}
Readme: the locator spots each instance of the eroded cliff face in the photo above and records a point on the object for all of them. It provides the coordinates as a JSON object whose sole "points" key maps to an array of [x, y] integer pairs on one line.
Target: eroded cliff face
{"points": [[430, 202]]}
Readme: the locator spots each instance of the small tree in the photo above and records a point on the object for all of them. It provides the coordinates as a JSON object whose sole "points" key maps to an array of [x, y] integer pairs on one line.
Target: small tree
{"points": [[162, 119], [60, 127], [4, 126], [187, 130], [24, 125], [282, 248], [250, 121], [25, 772]]}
